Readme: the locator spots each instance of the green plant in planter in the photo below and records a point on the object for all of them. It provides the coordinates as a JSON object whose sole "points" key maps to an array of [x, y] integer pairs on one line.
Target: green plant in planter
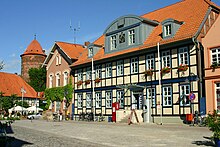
{"points": [[213, 122], [214, 65]]}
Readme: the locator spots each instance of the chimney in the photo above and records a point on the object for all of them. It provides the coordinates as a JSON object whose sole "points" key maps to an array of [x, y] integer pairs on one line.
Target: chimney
{"points": [[86, 43]]}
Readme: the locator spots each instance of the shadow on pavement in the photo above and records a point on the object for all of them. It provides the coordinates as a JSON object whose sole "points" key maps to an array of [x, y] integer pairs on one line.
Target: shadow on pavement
{"points": [[204, 143], [13, 142]]}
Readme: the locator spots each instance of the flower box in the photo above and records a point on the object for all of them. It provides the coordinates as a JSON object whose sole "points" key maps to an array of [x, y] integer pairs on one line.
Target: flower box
{"points": [[165, 70], [97, 80], [183, 67], [214, 65], [79, 83], [87, 82], [148, 72]]}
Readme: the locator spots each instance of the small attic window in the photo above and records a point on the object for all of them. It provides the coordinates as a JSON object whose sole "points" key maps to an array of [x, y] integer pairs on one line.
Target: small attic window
{"points": [[90, 52], [167, 30]]}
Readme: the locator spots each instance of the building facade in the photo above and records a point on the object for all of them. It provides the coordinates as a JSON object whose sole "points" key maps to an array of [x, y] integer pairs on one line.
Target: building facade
{"points": [[33, 57], [151, 63], [211, 44], [61, 56]]}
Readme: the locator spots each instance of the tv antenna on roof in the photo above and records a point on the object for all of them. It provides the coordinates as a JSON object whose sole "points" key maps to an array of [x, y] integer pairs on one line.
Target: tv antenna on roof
{"points": [[75, 30]]}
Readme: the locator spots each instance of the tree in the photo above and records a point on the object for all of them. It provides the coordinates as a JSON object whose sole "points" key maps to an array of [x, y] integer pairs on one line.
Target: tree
{"points": [[19, 103], [37, 78], [1, 65]]}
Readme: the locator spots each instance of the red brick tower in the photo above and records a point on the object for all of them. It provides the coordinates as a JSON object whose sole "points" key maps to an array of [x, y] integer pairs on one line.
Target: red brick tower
{"points": [[33, 57]]}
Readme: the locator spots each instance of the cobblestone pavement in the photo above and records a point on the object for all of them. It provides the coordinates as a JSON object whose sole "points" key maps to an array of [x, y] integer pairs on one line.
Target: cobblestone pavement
{"points": [[79, 133]]}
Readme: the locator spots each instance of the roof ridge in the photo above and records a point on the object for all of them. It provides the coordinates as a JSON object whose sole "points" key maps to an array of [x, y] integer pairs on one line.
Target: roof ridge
{"points": [[162, 8], [68, 43]]}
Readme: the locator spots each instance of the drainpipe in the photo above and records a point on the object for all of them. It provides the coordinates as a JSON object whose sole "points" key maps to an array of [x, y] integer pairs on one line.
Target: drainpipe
{"points": [[200, 70]]}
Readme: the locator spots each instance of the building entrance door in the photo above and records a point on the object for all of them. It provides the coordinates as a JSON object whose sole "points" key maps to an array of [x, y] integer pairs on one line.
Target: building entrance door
{"points": [[137, 100]]}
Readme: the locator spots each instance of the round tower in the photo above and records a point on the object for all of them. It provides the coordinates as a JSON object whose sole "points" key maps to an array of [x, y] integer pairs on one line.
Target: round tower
{"points": [[33, 57]]}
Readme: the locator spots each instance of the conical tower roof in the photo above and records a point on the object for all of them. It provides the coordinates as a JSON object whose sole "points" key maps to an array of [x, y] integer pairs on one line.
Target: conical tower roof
{"points": [[34, 48]]}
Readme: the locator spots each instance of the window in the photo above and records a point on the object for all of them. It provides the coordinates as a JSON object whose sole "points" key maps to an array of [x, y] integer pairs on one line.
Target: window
{"points": [[80, 75], [90, 54], [151, 93], [57, 80], [150, 61], [131, 36], [167, 30], [166, 59], [134, 65], [98, 73], [218, 97], [120, 98], [184, 95], [113, 42], [216, 55], [60, 59], [88, 100], [57, 60], [120, 68], [108, 99], [80, 100], [122, 38], [65, 78], [89, 74], [98, 100], [183, 56], [167, 96], [108, 70], [50, 81]]}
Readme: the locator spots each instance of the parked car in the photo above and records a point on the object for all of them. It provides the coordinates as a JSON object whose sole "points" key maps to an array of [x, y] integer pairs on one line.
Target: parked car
{"points": [[34, 116]]}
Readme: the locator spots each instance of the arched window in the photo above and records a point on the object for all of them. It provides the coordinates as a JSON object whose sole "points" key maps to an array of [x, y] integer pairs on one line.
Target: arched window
{"points": [[65, 78], [50, 81], [57, 79]]}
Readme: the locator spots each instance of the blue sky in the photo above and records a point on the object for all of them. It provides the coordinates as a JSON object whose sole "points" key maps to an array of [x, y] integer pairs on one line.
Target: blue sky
{"points": [[50, 21]]}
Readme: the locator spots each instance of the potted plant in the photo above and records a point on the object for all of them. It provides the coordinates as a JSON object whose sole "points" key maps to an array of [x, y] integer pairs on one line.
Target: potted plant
{"points": [[214, 65], [165, 70], [79, 83], [97, 80], [213, 122], [148, 72], [182, 67], [87, 82]]}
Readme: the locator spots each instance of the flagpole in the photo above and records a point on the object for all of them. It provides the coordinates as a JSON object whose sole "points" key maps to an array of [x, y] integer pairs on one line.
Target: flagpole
{"points": [[93, 90], [159, 76]]}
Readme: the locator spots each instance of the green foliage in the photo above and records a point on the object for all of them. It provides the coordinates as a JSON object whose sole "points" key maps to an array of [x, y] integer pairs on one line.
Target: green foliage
{"points": [[19, 103], [213, 121], [58, 94], [7, 103], [37, 78]]}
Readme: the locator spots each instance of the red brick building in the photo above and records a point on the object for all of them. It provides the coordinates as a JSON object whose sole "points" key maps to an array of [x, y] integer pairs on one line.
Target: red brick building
{"points": [[33, 57]]}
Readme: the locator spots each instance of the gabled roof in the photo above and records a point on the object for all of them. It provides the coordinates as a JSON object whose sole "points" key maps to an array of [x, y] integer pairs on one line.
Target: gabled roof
{"points": [[12, 84], [34, 48], [71, 51], [191, 12]]}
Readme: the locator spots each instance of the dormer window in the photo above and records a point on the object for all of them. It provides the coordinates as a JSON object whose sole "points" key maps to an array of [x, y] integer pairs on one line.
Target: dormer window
{"points": [[167, 30], [131, 37], [113, 42], [90, 54], [170, 27]]}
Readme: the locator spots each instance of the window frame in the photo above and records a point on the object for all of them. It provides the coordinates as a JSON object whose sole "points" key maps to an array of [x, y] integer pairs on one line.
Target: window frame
{"points": [[108, 70], [134, 65], [90, 51], [186, 94], [166, 59], [80, 75], [183, 56], [168, 30], [167, 99], [150, 61], [131, 37], [80, 100], [113, 42], [65, 78], [108, 97], [88, 100], [98, 100], [119, 98], [88, 73], [217, 53], [120, 68], [98, 71], [152, 96]]}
